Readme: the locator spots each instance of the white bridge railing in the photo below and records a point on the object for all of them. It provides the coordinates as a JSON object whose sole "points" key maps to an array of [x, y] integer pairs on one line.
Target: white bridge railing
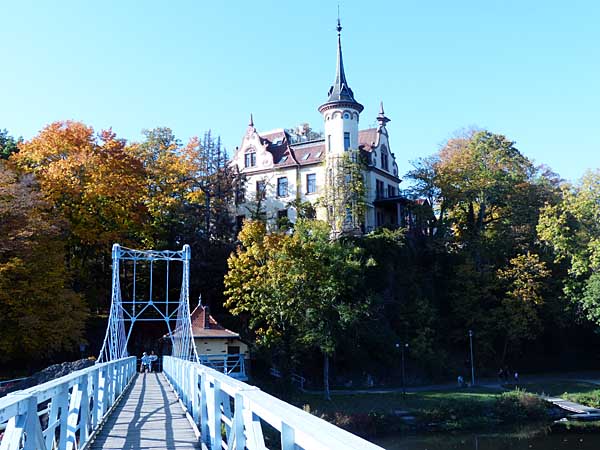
{"points": [[230, 414], [63, 413], [232, 365]]}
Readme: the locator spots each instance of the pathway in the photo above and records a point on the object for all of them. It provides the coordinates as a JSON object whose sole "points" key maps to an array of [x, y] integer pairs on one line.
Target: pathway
{"points": [[148, 417]]}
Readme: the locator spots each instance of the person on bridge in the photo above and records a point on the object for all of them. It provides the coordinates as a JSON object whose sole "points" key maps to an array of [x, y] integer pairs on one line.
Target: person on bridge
{"points": [[152, 358], [145, 366]]}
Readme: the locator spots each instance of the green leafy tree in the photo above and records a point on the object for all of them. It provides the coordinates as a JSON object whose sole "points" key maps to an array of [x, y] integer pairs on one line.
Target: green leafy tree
{"points": [[572, 229], [8, 144], [345, 193], [300, 290], [518, 315]]}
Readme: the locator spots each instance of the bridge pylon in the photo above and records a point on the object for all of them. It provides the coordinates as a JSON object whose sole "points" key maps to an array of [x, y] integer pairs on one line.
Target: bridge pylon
{"points": [[146, 307]]}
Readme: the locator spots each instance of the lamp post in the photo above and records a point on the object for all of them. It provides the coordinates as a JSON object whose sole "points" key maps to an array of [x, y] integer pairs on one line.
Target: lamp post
{"points": [[472, 363], [402, 347]]}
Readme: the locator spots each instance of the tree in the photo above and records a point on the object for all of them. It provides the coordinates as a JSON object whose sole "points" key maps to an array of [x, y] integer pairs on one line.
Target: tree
{"points": [[572, 229], [97, 186], [518, 314], [487, 197], [40, 313], [345, 191], [300, 290], [91, 181], [8, 144]]}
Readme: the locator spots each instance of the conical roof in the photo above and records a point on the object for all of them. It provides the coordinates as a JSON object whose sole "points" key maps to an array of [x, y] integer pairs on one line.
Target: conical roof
{"points": [[340, 93]]}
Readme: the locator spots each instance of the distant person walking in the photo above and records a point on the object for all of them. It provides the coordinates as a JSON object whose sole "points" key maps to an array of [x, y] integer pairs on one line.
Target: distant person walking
{"points": [[461, 381], [516, 377], [145, 365], [152, 358]]}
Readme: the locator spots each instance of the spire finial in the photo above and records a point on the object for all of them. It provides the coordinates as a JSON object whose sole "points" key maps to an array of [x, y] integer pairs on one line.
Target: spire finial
{"points": [[251, 124], [200, 300], [381, 118], [340, 91]]}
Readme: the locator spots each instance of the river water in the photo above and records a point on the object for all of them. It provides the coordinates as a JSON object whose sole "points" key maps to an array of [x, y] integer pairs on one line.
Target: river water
{"points": [[521, 440]]}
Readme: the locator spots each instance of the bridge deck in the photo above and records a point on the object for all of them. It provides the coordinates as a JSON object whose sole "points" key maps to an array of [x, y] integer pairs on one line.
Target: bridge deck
{"points": [[148, 417]]}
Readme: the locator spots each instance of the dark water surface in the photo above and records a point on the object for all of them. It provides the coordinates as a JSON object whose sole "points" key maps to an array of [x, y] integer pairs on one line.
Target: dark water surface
{"points": [[526, 440]]}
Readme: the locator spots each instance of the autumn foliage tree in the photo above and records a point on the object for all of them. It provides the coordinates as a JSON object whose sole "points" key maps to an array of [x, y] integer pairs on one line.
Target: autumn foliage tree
{"points": [[41, 314]]}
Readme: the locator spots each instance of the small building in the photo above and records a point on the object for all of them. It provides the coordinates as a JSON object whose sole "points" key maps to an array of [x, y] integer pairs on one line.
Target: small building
{"points": [[218, 347]]}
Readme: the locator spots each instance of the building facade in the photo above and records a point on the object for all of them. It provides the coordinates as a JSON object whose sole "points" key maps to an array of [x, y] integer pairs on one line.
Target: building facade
{"points": [[282, 170]]}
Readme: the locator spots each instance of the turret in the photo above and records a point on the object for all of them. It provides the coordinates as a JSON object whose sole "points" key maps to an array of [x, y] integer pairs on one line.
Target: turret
{"points": [[340, 111]]}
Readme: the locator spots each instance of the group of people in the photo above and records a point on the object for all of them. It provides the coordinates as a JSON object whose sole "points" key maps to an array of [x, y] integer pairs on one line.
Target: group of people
{"points": [[146, 362], [503, 377]]}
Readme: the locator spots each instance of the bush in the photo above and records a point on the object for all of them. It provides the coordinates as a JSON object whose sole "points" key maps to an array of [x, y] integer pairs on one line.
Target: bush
{"points": [[591, 399], [518, 405]]}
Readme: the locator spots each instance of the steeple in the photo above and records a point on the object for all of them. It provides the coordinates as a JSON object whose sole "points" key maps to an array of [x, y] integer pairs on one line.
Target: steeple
{"points": [[340, 93]]}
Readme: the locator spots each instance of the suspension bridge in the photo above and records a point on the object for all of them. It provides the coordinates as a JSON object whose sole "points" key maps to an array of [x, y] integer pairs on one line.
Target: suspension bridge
{"points": [[189, 405]]}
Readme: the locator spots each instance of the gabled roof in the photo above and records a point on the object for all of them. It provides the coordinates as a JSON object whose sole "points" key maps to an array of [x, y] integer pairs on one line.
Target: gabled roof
{"points": [[205, 326], [368, 139], [286, 154]]}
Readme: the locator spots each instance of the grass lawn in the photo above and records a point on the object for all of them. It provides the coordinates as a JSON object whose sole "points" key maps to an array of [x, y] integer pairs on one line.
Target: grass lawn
{"points": [[555, 388], [393, 401]]}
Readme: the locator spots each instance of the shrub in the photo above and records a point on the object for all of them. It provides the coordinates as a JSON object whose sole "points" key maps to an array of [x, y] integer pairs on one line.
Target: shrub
{"points": [[518, 405]]}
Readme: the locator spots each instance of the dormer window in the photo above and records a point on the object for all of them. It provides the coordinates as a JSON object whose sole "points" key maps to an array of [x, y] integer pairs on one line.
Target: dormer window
{"points": [[250, 157]]}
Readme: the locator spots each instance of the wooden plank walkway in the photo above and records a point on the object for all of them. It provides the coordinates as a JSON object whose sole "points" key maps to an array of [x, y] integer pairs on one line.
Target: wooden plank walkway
{"points": [[149, 417]]}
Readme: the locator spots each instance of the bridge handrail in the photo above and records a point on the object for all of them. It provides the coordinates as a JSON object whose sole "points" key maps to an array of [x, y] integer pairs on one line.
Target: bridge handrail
{"points": [[78, 401], [208, 395]]}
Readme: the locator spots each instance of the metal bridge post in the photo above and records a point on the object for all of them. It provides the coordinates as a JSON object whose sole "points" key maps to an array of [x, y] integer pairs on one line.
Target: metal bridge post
{"points": [[85, 409]]}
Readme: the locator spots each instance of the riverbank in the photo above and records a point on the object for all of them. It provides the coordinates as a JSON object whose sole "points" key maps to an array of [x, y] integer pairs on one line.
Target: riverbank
{"points": [[375, 413]]}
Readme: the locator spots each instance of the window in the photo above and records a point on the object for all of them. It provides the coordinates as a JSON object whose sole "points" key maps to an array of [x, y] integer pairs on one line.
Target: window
{"points": [[250, 157], [328, 142], [391, 191], [283, 159], [305, 157], [379, 189], [282, 213], [261, 190], [311, 183], [346, 141], [282, 187], [384, 160]]}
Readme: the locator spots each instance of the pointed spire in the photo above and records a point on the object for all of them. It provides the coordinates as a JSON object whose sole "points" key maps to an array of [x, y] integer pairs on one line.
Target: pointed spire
{"points": [[251, 124], [381, 118], [340, 92]]}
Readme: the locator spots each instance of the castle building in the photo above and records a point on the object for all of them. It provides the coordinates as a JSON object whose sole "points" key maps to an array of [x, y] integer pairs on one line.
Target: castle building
{"points": [[281, 169]]}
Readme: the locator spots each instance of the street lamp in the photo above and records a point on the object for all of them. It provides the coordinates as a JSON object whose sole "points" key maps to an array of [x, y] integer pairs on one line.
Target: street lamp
{"points": [[472, 363], [402, 347]]}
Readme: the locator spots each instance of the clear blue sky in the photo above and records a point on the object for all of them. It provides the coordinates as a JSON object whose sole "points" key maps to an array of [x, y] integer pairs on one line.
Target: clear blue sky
{"points": [[527, 69]]}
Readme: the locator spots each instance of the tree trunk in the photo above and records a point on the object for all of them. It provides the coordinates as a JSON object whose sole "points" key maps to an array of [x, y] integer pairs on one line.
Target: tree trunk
{"points": [[326, 376]]}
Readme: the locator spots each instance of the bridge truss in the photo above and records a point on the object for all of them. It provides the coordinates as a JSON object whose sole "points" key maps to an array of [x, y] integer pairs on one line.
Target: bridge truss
{"points": [[125, 313]]}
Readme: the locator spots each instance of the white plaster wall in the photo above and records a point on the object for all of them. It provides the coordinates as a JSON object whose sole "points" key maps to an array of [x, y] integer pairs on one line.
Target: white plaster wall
{"points": [[336, 126]]}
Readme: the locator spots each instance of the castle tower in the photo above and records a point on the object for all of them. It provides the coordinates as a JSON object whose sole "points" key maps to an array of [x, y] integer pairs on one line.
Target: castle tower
{"points": [[341, 111]]}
